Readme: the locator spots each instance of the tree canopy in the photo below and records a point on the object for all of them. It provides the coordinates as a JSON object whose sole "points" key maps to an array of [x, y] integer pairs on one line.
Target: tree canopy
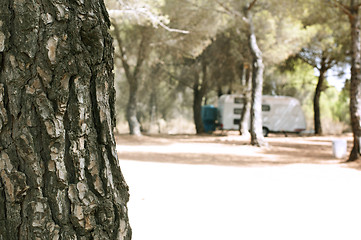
{"points": [[200, 49]]}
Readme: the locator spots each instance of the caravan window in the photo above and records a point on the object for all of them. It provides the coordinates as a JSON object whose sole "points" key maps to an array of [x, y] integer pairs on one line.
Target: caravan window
{"points": [[237, 111], [238, 100], [236, 121], [266, 108]]}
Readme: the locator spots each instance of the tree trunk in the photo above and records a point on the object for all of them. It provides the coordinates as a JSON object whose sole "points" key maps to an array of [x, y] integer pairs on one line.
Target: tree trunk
{"points": [[153, 112], [245, 116], [316, 98], [197, 109], [132, 75], [199, 90], [257, 138], [59, 172], [355, 87], [133, 123]]}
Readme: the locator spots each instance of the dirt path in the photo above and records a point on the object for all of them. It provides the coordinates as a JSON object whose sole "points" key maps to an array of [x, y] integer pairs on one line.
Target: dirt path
{"points": [[230, 150], [218, 187]]}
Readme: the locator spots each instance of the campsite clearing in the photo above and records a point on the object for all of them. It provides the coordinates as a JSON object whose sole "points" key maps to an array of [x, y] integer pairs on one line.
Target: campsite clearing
{"points": [[218, 187], [231, 149]]}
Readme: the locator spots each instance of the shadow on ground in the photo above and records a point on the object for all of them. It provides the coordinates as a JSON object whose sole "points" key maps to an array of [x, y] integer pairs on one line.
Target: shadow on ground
{"points": [[230, 150]]}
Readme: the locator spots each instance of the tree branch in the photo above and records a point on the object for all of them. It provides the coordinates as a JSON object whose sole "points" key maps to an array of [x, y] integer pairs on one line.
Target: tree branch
{"points": [[144, 10], [232, 12], [346, 9], [251, 5], [330, 62], [178, 79], [308, 61], [122, 53], [141, 54]]}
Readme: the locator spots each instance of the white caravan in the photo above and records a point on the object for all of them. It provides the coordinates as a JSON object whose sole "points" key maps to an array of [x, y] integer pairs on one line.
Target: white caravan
{"points": [[279, 113]]}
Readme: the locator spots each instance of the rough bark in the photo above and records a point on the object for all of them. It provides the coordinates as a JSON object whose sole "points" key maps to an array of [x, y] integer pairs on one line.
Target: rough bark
{"points": [[355, 87], [59, 172], [316, 98], [257, 138]]}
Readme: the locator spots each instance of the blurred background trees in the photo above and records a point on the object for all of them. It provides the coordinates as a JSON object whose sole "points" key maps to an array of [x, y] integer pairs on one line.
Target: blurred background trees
{"points": [[175, 56]]}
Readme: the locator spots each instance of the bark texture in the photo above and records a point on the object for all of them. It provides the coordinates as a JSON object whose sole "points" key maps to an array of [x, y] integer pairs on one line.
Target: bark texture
{"points": [[355, 87], [59, 172]]}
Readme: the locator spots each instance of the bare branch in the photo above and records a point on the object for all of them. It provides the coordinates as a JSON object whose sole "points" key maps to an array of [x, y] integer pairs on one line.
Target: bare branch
{"points": [[172, 29], [122, 53], [228, 10], [145, 12], [233, 12], [308, 61], [343, 7], [178, 79], [251, 5], [207, 8], [330, 62]]}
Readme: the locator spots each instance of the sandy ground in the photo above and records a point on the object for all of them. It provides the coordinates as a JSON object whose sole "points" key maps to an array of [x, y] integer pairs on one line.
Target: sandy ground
{"points": [[218, 187]]}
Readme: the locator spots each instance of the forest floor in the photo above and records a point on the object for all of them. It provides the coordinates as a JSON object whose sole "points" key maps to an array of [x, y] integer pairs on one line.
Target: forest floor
{"points": [[219, 187]]}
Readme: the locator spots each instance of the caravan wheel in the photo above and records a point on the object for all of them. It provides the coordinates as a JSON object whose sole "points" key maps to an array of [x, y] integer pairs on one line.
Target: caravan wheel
{"points": [[265, 131]]}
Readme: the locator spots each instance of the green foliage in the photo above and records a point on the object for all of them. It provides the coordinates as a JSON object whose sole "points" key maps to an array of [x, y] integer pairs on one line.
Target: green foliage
{"points": [[195, 16], [218, 36], [335, 110], [225, 61], [341, 110], [293, 78], [297, 79], [328, 102], [280, 37]]}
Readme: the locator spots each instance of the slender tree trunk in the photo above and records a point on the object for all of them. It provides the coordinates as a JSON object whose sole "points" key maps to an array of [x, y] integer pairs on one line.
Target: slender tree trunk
{"points": [[153, 111], [133, 123], [153, 102], [355, 87], [197, 109], [246, 111], [219, 91], [132, 74], [199, 90], [257, 87], [316, 99], [59, 172]]}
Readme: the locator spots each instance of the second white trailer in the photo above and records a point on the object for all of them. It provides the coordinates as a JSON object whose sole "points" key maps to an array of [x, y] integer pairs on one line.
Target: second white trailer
{"points": [[279, 113]]}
